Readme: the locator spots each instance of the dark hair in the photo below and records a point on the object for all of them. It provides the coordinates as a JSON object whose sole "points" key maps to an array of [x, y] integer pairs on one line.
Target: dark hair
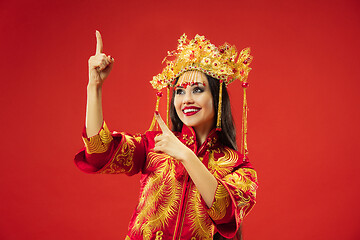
{"points": [[227, 136]]}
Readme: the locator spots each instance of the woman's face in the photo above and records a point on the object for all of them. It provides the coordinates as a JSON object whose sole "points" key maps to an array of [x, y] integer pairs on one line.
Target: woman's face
{"points": [[193, 101]]}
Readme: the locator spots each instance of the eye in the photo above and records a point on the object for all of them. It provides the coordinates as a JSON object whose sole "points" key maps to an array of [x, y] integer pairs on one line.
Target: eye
{"points": [[198, 90], [179, 91]]}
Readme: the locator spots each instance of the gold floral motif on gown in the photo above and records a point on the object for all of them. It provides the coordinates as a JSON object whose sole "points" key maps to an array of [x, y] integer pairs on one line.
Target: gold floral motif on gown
{"points": [[201, 225], [223, 165], [169, 202], [160, 197], [123, 157]]}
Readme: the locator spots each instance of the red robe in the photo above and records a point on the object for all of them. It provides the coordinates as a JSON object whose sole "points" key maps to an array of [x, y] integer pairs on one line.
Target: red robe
{"points": [[170, 206]]}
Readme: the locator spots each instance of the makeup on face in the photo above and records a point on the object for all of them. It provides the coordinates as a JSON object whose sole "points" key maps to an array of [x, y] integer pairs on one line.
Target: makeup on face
{"points": [[193, 101], [195, 87]]}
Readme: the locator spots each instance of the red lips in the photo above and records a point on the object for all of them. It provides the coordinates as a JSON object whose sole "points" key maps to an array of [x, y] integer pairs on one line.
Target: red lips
{"points": [[188, 111]]}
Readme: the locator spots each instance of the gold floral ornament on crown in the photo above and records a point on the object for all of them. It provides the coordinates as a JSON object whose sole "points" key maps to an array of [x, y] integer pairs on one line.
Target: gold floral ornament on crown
{"points": [[200, 54], [222, 63]]}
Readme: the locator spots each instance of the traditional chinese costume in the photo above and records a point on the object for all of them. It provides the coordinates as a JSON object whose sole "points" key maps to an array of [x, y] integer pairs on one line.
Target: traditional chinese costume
{"points": [[170, 206]]}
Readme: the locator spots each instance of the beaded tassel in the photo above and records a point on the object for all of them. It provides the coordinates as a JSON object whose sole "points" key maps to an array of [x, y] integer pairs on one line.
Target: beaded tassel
{"points": [[244, 149], [168, 106], [158, 96], [218, 122]]}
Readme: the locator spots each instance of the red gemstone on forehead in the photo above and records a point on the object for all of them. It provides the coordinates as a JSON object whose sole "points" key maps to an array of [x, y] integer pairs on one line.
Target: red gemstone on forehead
{"points": [[245, 84], [190, 83], [159, 94]]}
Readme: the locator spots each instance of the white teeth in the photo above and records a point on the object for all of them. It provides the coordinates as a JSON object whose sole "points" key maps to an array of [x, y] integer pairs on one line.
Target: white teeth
{"points": [[190, 110]]}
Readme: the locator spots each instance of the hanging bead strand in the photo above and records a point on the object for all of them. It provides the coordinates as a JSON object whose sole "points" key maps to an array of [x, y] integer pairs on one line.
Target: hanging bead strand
{"points": [[218, 122], [158, 97], [244, 148]]}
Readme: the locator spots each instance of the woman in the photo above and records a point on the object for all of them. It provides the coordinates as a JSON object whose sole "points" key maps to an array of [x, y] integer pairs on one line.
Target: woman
{"points": [[194, 184]]}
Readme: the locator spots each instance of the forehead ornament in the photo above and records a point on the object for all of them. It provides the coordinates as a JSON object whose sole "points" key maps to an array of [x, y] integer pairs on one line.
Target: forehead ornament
{"points": [[190, 83]]}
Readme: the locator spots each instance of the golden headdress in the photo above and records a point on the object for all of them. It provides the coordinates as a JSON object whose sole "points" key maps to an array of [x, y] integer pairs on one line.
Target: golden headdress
{"points": [[200, 54]]}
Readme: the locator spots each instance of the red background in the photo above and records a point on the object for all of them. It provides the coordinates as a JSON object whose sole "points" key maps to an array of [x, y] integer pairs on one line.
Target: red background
{"points": [[303, 120]]}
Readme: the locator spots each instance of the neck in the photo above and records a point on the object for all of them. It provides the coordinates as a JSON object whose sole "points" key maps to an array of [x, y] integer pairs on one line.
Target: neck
{"points": [[202, 133]]}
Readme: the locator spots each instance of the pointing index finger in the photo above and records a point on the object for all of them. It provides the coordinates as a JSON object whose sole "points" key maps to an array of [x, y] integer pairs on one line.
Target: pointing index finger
{"points": [[99, 43], [160, 121]]}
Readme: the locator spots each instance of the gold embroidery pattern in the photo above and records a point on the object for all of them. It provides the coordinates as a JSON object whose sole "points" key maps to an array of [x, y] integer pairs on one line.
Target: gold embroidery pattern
{"points": [[159, 235], [221, 203], [127, 237], [160, 197], [138, 137], [123, 158], [189, 140], [99, 143], [223, 165], [211, 142], [201, 224], [245, 181]]}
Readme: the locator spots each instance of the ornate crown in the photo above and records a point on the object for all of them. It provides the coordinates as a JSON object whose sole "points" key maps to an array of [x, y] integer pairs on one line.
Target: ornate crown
{"points": [[200, 54]]}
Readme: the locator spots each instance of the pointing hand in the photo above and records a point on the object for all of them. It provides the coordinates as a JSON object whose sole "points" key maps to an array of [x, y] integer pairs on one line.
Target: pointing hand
{"points": [[100, 64], [168, 143]]}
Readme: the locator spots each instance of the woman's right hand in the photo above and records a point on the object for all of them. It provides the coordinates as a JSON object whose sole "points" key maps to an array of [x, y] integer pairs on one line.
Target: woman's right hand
{"points": [[100, 65]]}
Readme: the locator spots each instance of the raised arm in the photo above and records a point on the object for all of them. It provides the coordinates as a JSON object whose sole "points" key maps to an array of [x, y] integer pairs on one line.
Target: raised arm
{"points": [[100, 66]]}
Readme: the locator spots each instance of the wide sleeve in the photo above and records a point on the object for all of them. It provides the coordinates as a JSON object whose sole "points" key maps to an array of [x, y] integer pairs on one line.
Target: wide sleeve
{"points": [[112, 153], [234, 197]]}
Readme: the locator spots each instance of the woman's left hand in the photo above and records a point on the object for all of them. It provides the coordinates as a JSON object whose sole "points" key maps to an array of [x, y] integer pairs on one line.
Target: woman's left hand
{"points": [[168, 143]]}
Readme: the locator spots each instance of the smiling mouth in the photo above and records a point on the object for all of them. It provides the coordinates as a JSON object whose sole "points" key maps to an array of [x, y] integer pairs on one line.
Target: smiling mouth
{"points": [[190, 111]]}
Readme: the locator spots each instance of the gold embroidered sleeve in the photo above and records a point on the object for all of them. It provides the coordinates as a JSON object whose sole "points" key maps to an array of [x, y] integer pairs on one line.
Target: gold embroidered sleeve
{"points": [[234, 197], [220, 204], [242, 185], [244, 181], [99, 143]]}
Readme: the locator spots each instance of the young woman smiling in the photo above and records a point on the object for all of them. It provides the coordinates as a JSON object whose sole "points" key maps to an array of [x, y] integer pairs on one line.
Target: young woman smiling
{"points": [[194, 183]]}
